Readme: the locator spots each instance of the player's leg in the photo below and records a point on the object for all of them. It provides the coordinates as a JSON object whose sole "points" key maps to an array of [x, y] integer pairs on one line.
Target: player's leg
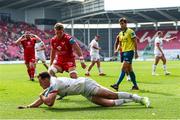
{"points": [[45, 65], [163, 58], [133, 77], [109, 102], [108, 94], [128, 59], [32, 68], [128, 76], [28, 69], [121, 97], [156, 61], [35, 73], [103, 96], [53, 69], [43, 59], [121, 77], [90, 67], [123, 72], [134, 97], [99, 68]]}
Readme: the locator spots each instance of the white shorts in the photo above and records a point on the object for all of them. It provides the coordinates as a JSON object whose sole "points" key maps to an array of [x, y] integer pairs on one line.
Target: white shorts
{"points": [[91, 87], [40, 56], [157, 53], [95, 57]]}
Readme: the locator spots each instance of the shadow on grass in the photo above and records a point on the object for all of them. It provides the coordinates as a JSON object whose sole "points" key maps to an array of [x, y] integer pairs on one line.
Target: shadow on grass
{"points": [[152, 92], [95, 108], [146, 82]]}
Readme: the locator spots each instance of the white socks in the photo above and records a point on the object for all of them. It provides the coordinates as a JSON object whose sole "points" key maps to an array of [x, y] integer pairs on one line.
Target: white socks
{"points": [[154, 68], [121, 101], [164, 68], [125, 95], [136, 98], [100, 70]]}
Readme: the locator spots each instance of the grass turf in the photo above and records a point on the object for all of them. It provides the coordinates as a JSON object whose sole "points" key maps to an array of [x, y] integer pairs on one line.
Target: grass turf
{"points": [[163, 91]]}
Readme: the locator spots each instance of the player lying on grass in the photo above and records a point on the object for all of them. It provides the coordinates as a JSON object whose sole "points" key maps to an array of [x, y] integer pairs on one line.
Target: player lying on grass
{"points": [[81, 86]]}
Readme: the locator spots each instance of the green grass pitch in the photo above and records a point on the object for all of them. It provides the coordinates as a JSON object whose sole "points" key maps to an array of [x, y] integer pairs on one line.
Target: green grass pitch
{"points": [[163, 91]]}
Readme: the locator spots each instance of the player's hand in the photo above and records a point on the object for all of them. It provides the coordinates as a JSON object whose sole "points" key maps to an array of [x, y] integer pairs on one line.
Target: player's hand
{"points": [[22, 107], [136, 55], [83, 65]]}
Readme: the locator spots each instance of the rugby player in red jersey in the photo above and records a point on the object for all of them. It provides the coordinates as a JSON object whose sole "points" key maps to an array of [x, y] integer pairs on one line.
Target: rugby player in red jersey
{"points": [[62, 47], [28, 41]]}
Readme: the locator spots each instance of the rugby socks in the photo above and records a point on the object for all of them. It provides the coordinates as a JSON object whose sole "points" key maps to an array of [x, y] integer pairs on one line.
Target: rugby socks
{"points": [[100, 70], [136, 98], [154, 68], [29, 72], [125, 95], [121, 77], [32, 71], [121, 101], [164, 68], [133, 78]]}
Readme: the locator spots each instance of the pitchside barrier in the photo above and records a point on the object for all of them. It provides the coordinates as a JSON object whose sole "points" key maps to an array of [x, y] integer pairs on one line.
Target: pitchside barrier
{"points": [[18, 62]]}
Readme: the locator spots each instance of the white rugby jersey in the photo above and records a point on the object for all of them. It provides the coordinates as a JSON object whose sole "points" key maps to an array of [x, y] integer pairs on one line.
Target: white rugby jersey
{"points": [[66, 86], [38, 46], [93, 50], [160, 41]]}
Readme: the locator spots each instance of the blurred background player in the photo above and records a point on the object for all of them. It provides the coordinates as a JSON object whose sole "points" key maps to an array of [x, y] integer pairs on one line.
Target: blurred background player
{"points": [[81, 86], [28, 41], [118, 49], [40, 54], [95, 58], [61, 57], [127, 41], [159, 53]]}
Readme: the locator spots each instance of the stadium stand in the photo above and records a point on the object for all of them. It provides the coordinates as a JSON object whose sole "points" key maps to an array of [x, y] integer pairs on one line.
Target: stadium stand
{"points": [[12, 31]]}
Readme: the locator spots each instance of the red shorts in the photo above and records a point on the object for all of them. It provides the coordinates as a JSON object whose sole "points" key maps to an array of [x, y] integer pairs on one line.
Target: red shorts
{"points": [[65, 65], [29, 59]]}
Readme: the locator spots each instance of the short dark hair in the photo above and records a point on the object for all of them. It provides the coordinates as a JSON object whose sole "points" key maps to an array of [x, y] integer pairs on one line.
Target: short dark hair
{"points": [[159, 32], [123, 19], [59, 26], [44, 75], [98, 36]]}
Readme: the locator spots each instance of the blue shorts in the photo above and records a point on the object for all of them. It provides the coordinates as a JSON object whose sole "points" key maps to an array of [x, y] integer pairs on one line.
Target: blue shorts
{"points": [[127, 56]]}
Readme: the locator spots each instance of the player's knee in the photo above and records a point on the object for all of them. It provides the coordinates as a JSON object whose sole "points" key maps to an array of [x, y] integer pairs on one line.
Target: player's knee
{"points": [[73, 74], [108, 103]]}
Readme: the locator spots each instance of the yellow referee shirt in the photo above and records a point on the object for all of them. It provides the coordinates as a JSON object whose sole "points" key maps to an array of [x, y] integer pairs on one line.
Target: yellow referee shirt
{"points": [[127, 40]]}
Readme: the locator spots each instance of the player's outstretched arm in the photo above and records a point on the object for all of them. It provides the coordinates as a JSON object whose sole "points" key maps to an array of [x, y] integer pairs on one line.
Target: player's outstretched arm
{"points": [[79, 53], [35, 104], [52, 55], [170, 39]]}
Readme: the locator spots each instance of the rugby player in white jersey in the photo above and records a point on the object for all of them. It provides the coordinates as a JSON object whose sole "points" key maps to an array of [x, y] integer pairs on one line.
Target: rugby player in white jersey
{"points": [[95, 58], [40, 53], [159, 53], [81, 86]]}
